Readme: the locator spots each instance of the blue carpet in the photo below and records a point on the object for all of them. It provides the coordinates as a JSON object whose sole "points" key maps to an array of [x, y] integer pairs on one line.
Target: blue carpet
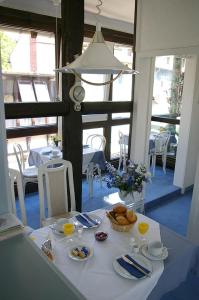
{"points": [[173, 212], [170, 208], [161, 185], [189, 289]]}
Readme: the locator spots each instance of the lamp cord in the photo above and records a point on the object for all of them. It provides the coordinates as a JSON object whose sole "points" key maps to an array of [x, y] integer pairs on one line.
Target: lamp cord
{"points": [[97, 83], [98, 7]]}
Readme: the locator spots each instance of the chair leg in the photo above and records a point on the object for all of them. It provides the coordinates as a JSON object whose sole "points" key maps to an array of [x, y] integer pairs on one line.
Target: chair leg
{"points": [[164, 161], [153, 163], [124, 163], [120, 161]]}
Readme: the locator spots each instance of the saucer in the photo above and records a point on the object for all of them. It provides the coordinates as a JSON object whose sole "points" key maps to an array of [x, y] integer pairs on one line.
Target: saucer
{"points": [[144, 251], [80, 252], [140, 259]]}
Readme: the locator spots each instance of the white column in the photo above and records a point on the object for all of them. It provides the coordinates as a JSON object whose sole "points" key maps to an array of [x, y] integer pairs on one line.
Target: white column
{"points": [[142, 110], [5, 193], [188, 144], [192, 232]]}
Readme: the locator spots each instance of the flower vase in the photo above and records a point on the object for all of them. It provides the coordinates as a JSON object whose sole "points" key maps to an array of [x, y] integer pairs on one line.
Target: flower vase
{"points": [[127, 198]]}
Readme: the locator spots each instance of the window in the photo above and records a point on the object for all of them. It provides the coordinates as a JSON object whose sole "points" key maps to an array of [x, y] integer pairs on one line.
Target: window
{"points": [[115, 148], [122, 88], [168, 86], [28, 63]]}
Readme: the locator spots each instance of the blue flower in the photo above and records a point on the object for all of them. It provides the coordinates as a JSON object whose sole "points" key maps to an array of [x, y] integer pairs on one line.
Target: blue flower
{"points": [[129, 181]]}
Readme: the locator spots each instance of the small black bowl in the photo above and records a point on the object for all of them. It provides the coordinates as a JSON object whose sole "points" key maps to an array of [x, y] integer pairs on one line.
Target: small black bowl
{"points": [[101, 236]]}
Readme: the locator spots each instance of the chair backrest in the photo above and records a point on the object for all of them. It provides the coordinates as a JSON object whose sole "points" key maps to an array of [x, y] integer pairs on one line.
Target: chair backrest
{"points": [[19, 156], [55, 180], [123, 142], [96, 141], [15, 177], [161, 142]]}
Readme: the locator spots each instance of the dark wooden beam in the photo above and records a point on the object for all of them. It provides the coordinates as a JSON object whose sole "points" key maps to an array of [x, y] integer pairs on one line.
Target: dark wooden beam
{"points": [[12, 133], [99, 107], [31, 110], [110, 35], [32, 21], [26, 20], [165, 120], [107, 123], [72, 39]]}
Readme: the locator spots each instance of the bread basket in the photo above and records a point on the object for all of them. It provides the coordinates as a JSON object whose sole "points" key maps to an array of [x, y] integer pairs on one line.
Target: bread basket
{"points": [[118, 227]]}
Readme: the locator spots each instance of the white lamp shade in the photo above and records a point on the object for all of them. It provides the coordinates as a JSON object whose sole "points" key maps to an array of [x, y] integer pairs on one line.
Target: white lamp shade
{"points": [[97, 59]]}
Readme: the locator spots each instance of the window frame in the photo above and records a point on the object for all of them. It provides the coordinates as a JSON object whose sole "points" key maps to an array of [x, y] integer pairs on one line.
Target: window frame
{"points": [[31, 21]]}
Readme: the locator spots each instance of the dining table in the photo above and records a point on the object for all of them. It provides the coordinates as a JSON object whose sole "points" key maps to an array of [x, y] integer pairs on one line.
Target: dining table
{"points": [[99, 277], [38, 156], [91, 157]]}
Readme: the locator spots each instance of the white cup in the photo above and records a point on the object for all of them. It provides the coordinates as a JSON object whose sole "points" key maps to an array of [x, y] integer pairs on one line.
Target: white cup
{"points": [[155, 248]]}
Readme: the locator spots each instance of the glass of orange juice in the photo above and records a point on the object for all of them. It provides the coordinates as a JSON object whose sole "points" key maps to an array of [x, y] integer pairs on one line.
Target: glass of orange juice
{"points": [[143, 227], [68, 229]]}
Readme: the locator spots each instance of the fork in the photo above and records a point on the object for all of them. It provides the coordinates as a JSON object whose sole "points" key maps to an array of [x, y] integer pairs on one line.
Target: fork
{"points": [[135, 266]]}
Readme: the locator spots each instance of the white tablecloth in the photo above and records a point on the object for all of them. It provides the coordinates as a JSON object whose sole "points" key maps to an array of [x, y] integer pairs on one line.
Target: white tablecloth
{"points": [[96, 278], [38, 156]]}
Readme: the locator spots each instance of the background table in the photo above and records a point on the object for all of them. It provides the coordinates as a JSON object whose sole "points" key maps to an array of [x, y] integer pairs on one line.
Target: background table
{"points": [[37, 157]]}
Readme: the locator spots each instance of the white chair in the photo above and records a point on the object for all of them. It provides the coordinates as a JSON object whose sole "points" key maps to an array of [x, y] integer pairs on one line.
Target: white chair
{"points": [[123, 142], [161, 141], [98, 142], [27, 174], [15, 177], [55, 181]]}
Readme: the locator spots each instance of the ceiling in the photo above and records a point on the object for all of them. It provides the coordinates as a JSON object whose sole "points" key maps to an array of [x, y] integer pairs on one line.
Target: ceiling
{"points": [[122, 10], [115, 14], [114, 9]]}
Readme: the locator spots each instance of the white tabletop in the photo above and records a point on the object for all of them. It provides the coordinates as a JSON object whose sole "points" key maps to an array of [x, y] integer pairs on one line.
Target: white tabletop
{"points": [[96, 278]]}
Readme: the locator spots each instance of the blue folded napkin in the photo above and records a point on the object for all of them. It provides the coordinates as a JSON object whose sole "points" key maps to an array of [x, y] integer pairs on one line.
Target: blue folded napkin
{"points": [[90, 219], [131, 269], [83, 221]]}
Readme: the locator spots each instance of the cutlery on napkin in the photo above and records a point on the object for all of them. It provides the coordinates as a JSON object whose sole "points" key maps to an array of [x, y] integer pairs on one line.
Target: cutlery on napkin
{"points": [[133, 267], [83, 220], [90, 219]]}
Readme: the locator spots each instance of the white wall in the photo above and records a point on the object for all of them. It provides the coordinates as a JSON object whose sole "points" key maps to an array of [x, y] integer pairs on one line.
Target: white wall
{"points": [[167, 27], [167, 24], [172, 28], [5, 204], [193, 225], [188, 146]]}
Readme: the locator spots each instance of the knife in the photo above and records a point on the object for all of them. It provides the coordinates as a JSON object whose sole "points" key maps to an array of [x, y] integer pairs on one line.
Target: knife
{"points": [[135, 266]]}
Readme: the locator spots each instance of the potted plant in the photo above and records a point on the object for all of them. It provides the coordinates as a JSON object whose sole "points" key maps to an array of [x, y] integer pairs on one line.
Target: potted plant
{"points": [[56, 139], [129, 182]]}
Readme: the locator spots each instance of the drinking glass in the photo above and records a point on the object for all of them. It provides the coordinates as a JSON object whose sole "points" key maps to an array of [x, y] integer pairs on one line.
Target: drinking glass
{"points": [[143, 227], [68, 229]]}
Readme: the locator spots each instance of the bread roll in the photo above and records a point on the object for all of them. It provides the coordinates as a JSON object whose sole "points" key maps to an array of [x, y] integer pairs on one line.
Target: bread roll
{"points": [[119, 209], [122, 220]]}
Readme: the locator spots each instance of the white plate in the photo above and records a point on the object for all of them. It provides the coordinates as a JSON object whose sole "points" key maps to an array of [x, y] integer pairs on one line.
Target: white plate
{"points": [[144, 250], [77, 258], [94, 217], [139, 258]]}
